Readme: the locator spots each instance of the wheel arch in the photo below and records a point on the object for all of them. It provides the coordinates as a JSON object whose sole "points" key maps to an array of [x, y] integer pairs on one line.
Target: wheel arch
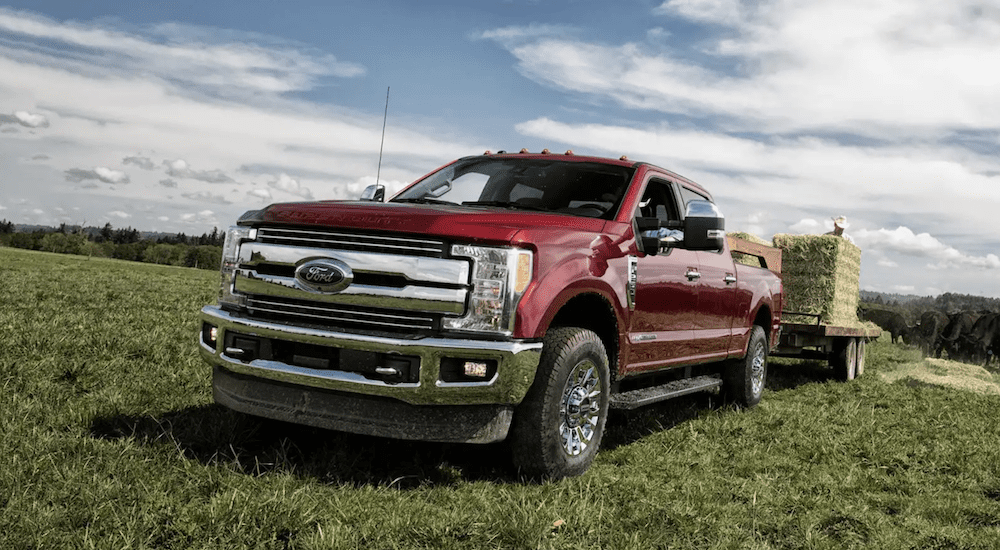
{"points": [[595, 313]]}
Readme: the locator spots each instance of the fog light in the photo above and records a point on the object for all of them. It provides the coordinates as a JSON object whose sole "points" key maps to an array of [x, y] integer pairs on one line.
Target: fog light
{"points": [[475, 369], [213, 334]]}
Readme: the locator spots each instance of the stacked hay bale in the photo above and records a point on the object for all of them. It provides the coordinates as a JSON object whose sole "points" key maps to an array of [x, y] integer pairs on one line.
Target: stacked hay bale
{"points": [[821, 275]]}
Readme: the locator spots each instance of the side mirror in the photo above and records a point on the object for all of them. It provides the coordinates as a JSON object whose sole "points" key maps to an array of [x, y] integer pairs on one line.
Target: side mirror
{"points": [[704, 226], [373, 193]]}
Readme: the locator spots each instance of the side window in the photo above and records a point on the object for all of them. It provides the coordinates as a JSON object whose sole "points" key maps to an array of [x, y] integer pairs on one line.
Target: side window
{"points": [[689, 195], [658, 201]]}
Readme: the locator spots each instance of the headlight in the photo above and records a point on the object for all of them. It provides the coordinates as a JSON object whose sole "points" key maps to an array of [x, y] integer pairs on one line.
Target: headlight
{"points": [[499, 279], [235, 235]]}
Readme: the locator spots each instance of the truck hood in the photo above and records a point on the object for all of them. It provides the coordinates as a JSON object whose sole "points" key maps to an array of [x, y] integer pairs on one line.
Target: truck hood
{"points": [[474, 224]]}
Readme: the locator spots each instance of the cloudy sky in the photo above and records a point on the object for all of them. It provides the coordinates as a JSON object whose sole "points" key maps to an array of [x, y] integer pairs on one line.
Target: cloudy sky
{"points": [[177, 117]]}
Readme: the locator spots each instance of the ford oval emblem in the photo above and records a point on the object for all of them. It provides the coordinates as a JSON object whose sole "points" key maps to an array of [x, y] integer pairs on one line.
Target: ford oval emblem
{"points": [[324, 275]]}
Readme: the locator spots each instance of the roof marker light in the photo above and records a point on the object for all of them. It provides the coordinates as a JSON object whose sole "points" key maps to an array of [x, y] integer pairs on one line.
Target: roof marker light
{"points": [[524, 151], [623, 157], [546, 151], [569, 151], [487, 152]]}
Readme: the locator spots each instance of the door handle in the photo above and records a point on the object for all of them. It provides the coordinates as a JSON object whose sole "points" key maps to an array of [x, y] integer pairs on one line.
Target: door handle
{"points": [[729, 279], [692, 275]]}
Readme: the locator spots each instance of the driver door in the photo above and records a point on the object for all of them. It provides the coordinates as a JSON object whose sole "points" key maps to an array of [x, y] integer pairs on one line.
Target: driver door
{"points": [[661, 330]]}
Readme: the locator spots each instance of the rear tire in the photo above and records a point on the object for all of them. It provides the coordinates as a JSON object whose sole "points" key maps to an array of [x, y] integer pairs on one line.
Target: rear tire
{"points": [[743, 379], [558, 426], [844, 359], [859, 367]]}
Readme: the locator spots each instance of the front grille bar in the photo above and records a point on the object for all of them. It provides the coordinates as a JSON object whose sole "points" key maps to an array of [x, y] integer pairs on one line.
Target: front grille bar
{"points": [[343, 315], [352, 241]]}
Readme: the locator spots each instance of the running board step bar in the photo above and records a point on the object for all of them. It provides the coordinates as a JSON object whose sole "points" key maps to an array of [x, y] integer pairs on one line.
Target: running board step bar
{"points": [[641, 397]]}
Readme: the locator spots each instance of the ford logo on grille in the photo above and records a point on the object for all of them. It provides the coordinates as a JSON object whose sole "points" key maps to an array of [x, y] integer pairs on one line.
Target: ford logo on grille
{"points": [[324, 275]]}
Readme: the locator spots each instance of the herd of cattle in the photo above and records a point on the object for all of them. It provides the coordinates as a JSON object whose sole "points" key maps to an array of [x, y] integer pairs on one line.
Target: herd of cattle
{"points": [[965, 336]]}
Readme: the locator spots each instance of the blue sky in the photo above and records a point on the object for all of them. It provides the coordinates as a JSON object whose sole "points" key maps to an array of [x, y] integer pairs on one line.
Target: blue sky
{"points": [[178, 116]]}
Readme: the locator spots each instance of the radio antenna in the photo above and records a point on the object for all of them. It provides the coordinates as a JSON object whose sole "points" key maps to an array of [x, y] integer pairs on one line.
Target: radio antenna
{"points": [[385, 117]]}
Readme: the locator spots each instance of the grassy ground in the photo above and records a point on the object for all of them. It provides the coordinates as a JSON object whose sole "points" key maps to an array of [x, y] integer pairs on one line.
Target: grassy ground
{"points": [[109, 439]]}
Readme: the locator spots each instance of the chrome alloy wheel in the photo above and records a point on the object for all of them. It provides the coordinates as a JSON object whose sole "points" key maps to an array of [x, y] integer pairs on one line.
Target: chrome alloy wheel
{"points": [[580, 408], [757, 368]]}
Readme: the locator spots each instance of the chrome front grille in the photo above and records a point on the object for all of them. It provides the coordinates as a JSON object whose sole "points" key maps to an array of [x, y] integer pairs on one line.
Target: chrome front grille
{"points": [[411, 246], [339, 315], [401, 284]]}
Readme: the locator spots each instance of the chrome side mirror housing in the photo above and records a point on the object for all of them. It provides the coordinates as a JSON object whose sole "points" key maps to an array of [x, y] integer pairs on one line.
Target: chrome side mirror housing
{"points": [[373, 193], [704, 226]]}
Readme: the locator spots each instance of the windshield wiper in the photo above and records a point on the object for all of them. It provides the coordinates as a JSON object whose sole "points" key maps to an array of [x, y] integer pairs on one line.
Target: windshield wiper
{"points": [[507, 204], [423, 200]]}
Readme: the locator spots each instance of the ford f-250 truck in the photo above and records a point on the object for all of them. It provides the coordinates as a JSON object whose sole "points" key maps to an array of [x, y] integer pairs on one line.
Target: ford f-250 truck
{"points": [[503, 296]]}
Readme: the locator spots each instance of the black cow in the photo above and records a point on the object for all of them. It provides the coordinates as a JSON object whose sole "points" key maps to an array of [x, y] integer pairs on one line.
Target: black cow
{"points": [[928, 332], [954, 336], [889, 321], [984, 338]]}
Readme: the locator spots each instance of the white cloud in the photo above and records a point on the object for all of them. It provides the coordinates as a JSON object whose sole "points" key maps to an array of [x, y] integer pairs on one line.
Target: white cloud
{"points": [[101, 173], [116, 110], [141, 162], [26, 119], [290, 185], [119, 214], [721, 12], [262, 194], [806, 227], [179, 169], [192, 55], [204, 217], [31, 120], [903, 240], [204, 196], [517, 33], [893, 67]]}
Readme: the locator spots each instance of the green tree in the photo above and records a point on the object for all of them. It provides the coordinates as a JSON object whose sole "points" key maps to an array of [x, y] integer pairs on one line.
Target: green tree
{"points": [[62, 243], [204, 257], [166, 254]]}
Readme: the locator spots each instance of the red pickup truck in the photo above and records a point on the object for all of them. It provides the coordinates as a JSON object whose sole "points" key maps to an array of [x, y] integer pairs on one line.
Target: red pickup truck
{"points": [[502, 296]]}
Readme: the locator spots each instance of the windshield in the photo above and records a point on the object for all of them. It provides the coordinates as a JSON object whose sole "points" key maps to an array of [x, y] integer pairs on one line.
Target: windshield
{"points": [[580, 188]]}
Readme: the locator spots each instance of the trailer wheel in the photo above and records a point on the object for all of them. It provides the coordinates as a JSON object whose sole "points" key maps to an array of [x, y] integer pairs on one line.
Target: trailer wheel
{"points": [[844, 358], [743, 379], [859, 367], [558, 426]]}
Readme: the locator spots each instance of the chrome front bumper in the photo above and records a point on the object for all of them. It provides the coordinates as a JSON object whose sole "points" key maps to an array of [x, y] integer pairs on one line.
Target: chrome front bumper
{"points": [[516, 362]]}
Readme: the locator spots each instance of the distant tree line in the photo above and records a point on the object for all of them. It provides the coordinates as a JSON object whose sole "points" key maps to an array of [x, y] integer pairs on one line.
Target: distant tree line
{"points": [[912, 307], [204, 252]]}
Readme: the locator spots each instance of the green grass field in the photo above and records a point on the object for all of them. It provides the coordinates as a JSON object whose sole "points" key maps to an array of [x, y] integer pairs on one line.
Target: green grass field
{"points": [[109, 439]]}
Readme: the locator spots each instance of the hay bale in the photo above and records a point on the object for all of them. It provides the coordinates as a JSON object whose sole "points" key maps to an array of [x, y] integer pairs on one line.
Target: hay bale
{"points": [[821, 275], [750, 237]]}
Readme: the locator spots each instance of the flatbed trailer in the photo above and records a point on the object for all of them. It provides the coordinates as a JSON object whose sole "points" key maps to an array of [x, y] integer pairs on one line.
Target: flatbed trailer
{"points": [[842, 347]]}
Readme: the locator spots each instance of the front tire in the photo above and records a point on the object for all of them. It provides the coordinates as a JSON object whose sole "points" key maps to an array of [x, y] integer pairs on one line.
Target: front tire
{"points": [[743, 379], [558, 426]]}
